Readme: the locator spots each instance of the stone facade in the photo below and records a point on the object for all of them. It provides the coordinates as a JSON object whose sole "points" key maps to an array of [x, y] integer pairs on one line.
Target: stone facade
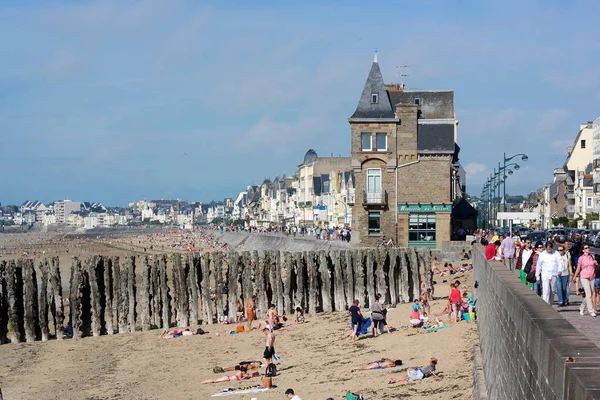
{"points": [[414, 172]]}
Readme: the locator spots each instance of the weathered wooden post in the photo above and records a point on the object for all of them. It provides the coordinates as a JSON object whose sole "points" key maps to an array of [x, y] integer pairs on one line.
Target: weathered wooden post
{"points": [[192, 285], [42, 301], [155, 320], [75, 302], [131, 292], [286, 276], [108, 295], [30, 317], [261, 264], [370, 273], [165, 297], [311, 268], [124, 296], [276, 273], [325, 281], [3, 305], [217, 264], [348, 277], [381, 285], [414, 273], [116, 292], [145, 294], [403, 274], [246, 267], [232, 285], [359, 275], [339, 297], [205, 289], [14, 302], [393, 276], [56, 299], [92, 266], [300, 265]]}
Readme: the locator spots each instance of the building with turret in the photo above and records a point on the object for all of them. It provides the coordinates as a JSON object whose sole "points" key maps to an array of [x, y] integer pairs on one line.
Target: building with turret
{"points": [[404, 157]]}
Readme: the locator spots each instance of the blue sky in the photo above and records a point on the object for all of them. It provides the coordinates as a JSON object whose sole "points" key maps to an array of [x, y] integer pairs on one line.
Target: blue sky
{"points": [[117, 101]]}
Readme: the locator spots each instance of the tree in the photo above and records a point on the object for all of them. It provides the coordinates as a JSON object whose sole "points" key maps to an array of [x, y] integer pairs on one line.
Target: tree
{"points": [[589, 218], [574, 223], [564, 221]]}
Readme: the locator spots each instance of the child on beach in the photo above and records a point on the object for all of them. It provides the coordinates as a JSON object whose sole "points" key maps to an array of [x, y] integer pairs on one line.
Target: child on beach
{"points": [[415, 316], [354, 311], [425, 297], [299, 316], [456, 299]]}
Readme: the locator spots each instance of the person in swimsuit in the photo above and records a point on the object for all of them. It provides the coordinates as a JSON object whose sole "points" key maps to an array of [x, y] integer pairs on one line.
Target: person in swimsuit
{"points": [[269, 346], [381, 364], [415, 374], [166, 334], [250, 311], [242, 364], [239, 310], [425, 301], [241, 375]]}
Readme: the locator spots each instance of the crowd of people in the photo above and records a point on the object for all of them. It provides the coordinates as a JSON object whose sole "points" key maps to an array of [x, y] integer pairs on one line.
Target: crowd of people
{"points": [[320, 233], [550, 268]]}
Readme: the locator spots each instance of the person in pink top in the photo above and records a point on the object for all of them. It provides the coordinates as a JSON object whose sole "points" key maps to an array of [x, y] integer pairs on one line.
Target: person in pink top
{"points": [[585, 268]]}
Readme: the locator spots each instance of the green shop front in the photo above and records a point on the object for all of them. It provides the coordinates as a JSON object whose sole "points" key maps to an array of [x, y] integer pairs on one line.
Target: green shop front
{"points": [[424, 225]]}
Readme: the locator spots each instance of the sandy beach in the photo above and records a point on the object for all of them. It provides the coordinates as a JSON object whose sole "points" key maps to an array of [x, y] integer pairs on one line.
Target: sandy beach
{"points": [[316, 358]]}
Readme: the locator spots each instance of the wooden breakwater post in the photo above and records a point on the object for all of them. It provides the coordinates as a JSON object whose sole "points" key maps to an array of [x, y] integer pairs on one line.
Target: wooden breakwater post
{"points": [[108, 295]]}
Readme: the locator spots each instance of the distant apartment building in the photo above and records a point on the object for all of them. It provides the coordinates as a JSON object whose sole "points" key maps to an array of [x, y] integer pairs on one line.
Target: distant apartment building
{"points": [[63, 208]]}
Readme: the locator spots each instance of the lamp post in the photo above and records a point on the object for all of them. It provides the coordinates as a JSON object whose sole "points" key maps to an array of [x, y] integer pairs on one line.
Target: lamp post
{"points": [[524, 158]]}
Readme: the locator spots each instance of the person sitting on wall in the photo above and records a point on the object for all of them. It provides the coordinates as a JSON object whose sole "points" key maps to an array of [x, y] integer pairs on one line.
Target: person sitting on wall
{"points": [[491, 250]]}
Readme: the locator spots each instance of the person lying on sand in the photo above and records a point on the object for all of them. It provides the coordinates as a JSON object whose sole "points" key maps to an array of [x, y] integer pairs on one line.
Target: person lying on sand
{"points": [[241, 375], [415, 374], [166, 334], [381, 364], [247, 364]]}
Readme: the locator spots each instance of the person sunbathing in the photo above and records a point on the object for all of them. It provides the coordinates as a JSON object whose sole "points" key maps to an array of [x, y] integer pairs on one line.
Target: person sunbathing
{"points": [[381, 364], [247, 364], [415, 374], [166, 334], [241, 375]]}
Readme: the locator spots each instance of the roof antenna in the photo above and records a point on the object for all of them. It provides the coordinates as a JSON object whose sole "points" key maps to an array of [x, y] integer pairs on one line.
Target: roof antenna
{"points": [[375, 59]]}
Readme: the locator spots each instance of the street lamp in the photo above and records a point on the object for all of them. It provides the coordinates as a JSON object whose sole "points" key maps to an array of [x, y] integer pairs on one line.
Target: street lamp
{"points": [[524, 158]]}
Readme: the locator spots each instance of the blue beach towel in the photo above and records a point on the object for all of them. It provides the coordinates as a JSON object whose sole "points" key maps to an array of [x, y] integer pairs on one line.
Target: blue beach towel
{"points": [[364, 326]]}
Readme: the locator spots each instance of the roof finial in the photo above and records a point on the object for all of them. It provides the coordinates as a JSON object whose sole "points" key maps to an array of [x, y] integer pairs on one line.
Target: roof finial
{"points": [[375, 59]]}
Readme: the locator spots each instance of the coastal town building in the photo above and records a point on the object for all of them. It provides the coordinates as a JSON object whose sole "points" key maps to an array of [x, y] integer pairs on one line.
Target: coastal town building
{"points": [[63, 208], [404, 158]]}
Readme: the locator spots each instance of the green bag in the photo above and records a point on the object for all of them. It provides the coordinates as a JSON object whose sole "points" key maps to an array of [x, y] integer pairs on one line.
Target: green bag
{"points": [[354, 396]]}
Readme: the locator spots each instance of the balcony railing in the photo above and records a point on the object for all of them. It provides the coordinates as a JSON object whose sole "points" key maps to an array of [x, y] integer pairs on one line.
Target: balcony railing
{"points": [[375, 199], [570, 195]]}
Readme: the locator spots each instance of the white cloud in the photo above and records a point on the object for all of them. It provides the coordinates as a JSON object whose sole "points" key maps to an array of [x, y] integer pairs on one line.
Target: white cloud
{"points": [[474, 168]]}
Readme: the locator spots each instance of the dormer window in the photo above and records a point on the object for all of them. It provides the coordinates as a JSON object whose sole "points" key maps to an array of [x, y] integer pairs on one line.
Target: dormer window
{"points": [[418, 101], [374, 98]]}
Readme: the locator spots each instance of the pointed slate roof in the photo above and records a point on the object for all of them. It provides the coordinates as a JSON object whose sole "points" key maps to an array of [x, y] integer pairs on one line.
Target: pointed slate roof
{"points": [[366, 109]]}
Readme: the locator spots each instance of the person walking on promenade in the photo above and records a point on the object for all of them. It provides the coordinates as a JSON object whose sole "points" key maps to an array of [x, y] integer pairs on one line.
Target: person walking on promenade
{"points": [[548, 265], [562, 282], [508, 252], [576, 250], [585, 268], [524, 255]]}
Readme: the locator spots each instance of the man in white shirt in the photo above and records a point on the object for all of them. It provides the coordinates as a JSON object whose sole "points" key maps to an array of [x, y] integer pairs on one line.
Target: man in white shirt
{"points": [[546, 271], [291, 395]]}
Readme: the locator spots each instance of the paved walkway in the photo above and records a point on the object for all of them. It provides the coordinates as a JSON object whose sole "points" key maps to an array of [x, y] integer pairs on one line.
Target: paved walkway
{"points": [[586, 324]]}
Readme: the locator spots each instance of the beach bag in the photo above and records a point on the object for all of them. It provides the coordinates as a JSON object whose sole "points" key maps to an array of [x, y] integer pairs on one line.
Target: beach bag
{"points": [[267, 382], [271, 370], [354, 396], [528, 265], [531, 276]]}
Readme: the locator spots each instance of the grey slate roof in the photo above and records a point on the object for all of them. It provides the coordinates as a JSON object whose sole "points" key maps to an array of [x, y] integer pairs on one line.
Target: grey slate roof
{"points": [[435, 138], [366, 109], [433, 104]]}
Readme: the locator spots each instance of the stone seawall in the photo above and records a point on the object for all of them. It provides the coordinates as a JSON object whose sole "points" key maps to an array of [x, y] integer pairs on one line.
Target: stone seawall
{"points": [[529, 351], [122, 294]]}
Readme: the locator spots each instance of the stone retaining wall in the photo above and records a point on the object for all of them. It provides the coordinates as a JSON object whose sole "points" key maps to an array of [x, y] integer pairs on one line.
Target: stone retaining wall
{"points": [[529, 351]]}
